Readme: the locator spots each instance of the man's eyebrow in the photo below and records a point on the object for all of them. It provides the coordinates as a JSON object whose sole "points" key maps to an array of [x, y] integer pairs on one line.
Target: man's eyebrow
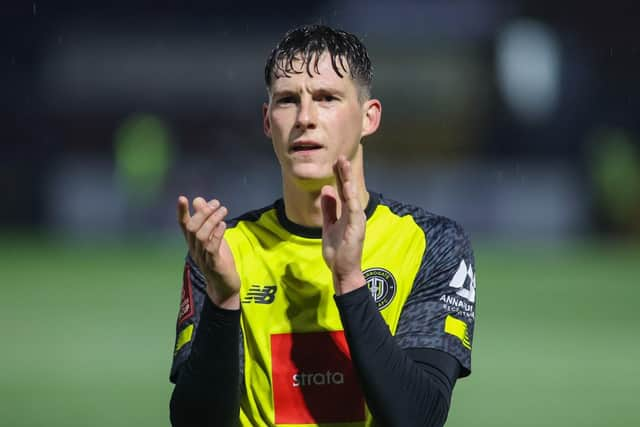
{"points": [[329, 89], [317, 90], [284, 92]]}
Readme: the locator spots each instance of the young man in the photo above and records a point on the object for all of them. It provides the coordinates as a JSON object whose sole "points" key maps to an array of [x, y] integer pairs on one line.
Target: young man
{"points": [[334, 305]]}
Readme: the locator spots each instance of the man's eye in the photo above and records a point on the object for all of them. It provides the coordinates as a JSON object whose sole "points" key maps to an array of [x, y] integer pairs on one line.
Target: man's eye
{"points": [[329, 98], [286, 100]]}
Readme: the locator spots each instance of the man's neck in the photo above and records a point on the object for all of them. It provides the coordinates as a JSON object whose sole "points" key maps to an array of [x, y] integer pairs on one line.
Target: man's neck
{"points": [[303, 207]]}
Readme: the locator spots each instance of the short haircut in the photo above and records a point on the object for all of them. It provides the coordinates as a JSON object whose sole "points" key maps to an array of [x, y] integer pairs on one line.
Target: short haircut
{"points": [[308, 43]]}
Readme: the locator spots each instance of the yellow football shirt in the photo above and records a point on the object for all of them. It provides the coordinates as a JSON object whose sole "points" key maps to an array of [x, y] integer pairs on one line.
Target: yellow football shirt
{"points": [[295, 363]]}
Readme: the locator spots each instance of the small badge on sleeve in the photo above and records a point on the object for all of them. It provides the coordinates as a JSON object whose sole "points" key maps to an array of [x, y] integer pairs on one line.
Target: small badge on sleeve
{"points": [[186, 299]]}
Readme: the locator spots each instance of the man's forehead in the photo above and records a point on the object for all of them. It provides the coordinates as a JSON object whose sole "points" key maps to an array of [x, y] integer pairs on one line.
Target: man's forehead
{"points": [[314, 66]]}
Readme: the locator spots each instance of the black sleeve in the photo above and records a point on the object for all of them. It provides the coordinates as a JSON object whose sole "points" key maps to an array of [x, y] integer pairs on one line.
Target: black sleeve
{"points": [[402, 387], [207, 383], [191, 302]]}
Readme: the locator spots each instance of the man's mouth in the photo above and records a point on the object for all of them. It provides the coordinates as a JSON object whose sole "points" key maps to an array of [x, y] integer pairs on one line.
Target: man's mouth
{"points": [[305, 146]]}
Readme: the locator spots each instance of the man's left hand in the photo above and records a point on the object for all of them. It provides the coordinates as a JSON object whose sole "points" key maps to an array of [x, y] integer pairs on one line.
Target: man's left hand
{"points": [[343, 237]]}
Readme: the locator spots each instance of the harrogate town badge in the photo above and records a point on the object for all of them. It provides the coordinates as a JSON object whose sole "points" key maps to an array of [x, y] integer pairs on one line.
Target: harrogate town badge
{"points": [[382, 286]]}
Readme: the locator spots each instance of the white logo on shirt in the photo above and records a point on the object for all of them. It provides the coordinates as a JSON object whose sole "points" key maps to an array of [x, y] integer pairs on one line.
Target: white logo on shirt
{"points": [[460, 278], [302, 379]]}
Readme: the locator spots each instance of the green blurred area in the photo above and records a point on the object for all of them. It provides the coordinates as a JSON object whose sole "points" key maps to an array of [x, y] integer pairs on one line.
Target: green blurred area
{"points": [[88, 332]]}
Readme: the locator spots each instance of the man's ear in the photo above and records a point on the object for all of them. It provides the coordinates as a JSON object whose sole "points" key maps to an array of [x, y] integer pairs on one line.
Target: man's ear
{"points": [[372, 114], [266, 123]]}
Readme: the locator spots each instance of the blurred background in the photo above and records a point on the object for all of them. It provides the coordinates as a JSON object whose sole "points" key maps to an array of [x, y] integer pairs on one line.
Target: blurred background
{"points": [[517, 118]]}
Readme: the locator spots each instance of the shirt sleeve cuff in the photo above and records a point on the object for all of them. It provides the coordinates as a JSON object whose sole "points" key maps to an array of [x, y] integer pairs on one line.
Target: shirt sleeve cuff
{"points": [[211, 313], [355, 297]]}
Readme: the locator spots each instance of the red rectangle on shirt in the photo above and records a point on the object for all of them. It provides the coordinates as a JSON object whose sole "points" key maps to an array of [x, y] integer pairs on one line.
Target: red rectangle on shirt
{"points": [[314, 380]]}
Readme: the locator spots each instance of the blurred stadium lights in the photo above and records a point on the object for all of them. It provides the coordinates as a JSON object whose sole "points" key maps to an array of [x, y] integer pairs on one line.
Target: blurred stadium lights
{"points": [[615, 171], [423, 22], [82, 198], [181, 72], [528, 60], [524, 200], [173, 71], [429, 83], [484, 116], [143, 153]]}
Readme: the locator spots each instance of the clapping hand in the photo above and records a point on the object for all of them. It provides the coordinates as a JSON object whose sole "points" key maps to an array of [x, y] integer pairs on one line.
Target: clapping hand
{"points": [[343, 237], [204, 233]]}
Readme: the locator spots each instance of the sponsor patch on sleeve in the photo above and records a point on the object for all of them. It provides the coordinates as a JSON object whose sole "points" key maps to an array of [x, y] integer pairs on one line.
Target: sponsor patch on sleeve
{"points": [[186, 299]]}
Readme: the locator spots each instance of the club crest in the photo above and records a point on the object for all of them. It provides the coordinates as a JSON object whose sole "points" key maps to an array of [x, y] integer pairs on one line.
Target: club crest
{"points": [[382, 286]]}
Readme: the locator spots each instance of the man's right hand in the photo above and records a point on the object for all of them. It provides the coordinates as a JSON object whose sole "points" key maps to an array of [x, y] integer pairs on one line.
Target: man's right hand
{"points": [[204, 233]]}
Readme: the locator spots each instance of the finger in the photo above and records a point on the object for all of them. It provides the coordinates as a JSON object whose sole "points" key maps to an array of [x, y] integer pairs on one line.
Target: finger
{"points": [[203, 211], [338, 175], [349, 192], [204, 233], [183, 213], [198, 203], [329, 206], [351, 206], [345, 179], [216, 238], [184, 217]]}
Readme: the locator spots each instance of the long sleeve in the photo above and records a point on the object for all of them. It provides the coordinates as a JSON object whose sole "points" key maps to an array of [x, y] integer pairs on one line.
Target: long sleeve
{"points": [[207, 385], [402, 387]]}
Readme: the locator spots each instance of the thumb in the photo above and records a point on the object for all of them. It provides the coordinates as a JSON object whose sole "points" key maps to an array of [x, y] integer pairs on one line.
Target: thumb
{"points": [[183, 213], [329, 205]]}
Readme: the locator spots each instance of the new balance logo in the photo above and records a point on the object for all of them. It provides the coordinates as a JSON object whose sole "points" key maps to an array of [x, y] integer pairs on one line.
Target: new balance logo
{"points": [[260, 294]]}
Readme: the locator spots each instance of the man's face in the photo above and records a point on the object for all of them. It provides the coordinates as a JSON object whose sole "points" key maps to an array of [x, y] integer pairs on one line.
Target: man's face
{"points": [[311, 120]]}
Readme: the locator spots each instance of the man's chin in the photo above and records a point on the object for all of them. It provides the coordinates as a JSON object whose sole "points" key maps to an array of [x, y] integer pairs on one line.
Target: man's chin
{"points": [[312, 181]]}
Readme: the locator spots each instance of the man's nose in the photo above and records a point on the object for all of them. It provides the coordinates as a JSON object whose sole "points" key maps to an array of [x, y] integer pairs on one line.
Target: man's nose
{"points": [[306, 114]]}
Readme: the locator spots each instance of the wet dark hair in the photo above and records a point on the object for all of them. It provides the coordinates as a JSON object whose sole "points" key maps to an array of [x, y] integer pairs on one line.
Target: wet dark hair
{"points": [[308, 43]]}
